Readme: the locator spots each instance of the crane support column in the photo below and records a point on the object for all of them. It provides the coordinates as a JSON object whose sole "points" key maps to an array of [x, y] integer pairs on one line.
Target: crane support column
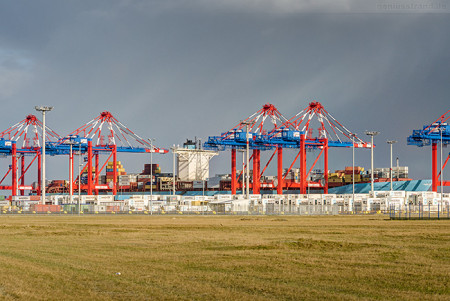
{"points": [[115, 169], [259, 171], [38, 190], [434, 176], [96, 172], [256, 180], [14, 169], [233, 171], [89, 172], [303, 181], [325, 167], [280, 170], [22, 174]]}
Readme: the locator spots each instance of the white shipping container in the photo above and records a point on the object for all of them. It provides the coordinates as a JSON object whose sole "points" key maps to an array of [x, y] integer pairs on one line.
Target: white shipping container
{"points": [[398, 193], [20, 198], [4, 203], [109, 198], [88, 198], [221, 197]]}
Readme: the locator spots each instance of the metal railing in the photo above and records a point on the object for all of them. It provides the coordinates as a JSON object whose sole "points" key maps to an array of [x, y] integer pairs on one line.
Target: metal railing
{"points": [[419, 212], [304, 210]]}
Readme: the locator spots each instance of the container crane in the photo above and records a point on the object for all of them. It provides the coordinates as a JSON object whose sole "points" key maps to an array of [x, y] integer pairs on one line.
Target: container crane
{"points": [[261, 124], [331, 133], [294, 133], [21, 140], [432, 134], [106, 134]]}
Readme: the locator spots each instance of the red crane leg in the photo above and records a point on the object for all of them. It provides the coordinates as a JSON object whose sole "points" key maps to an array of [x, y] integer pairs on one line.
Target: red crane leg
{"points": [[302, 164], [115, 169], [259, 171], [325, 164], [96, 172], [89, 176], [280, 170], [233, 171], [434, 177], [14, 170], [22, 174], [256, 180], [38, 190]]}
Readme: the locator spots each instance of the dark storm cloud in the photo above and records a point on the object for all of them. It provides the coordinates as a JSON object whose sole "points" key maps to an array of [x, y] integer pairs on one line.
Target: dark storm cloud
{"points": [[179, 69]]}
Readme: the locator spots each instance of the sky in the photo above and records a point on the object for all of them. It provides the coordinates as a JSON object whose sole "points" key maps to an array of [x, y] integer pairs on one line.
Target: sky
{"points": [[177, 69]]}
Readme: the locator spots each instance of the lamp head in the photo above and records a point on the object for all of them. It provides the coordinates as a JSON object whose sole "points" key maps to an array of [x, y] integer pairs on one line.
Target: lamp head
{"points": [[43, 108], [371, 133]]}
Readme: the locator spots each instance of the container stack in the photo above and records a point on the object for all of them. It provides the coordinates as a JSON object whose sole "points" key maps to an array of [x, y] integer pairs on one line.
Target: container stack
{"points": [[384, 173], [110, 171], [317, 175], [350, 171], [165, 183], [151, 169], [400, 172], [293, 175], [144, 178], [124, 180], [381, 173], [336, 177], [84, 174]]}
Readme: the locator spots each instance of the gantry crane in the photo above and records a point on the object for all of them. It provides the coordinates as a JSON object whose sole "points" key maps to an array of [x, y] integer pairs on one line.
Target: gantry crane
{"points": [[294, 133], [433, 134], [24, 139], [331, 133], [106, 134], [236, 139], [20, 140]]}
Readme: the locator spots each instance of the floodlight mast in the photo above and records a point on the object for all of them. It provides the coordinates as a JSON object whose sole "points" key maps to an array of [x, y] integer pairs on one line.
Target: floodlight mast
{"points": [[371, 134], [43, 109], [390, 142], [353, 168], [151, 174], [247, 178]]}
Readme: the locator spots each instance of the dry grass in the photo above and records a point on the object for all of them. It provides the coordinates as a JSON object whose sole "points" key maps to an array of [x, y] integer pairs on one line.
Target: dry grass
{"points": [[214, 257]]}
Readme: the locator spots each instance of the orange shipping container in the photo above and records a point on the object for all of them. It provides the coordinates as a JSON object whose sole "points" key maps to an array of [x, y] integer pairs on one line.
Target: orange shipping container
{"points": [[46, 208]]}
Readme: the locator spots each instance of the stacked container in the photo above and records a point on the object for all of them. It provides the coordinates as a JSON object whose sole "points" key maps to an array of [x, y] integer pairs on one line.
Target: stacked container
{"points": [[110, 171], [151, 168], [349, 172], [84, 174]]}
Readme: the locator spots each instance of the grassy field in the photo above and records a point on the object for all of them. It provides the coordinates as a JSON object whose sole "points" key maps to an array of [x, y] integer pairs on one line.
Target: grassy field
{"points": [[230, 257]]}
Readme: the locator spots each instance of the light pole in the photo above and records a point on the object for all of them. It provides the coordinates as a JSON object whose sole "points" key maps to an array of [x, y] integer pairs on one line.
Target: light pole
{"points": [[173, 179], [43, 109], [247, 179], [390, 142], [398, 169], [71, 143], [79, 179], [441, 129], [353, 169], [151, 174], [371, 134]]}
